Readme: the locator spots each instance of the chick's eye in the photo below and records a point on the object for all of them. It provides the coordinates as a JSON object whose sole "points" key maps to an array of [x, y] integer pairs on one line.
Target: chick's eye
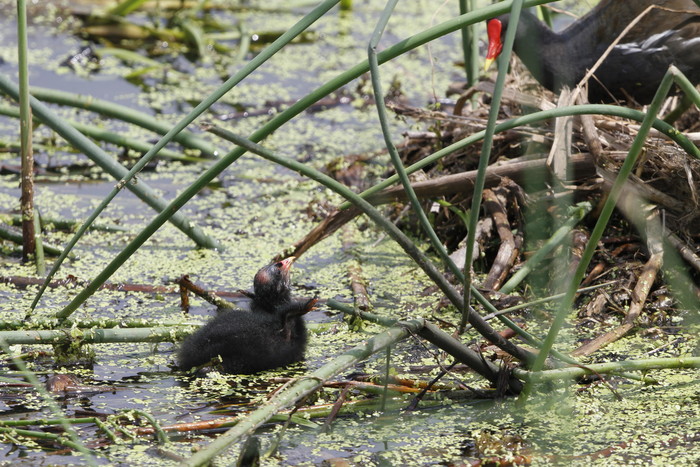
{"points": [[278, 265]]}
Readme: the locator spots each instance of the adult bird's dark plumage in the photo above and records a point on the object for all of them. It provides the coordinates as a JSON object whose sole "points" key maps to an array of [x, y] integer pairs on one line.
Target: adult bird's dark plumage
{"points": [[270, 334], [669, 34]]}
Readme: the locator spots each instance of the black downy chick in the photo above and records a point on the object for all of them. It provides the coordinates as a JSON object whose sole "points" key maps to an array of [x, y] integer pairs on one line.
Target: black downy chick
{"points": [[269, 335]]}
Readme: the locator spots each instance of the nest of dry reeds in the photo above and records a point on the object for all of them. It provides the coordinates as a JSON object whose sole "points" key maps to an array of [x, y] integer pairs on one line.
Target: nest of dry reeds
{"points": [[516, 204], [666, 175]]}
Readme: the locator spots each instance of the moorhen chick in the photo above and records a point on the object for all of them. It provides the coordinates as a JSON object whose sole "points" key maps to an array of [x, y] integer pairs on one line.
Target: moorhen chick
{"points": [[665, 36], [270, 334]]}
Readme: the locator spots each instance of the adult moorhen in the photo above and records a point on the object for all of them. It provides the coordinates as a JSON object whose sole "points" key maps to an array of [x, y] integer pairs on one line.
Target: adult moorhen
{"points": [[667, 35], [270, 334]]}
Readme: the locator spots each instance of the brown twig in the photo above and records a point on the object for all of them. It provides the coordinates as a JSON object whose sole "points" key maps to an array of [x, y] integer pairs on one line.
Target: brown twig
{"points": [[560, 152], [412, 383], [357, 282], [191, 426], [579, 240], [509, 94], [686, 252], [589, 130], [520, 172], [27, 202], [641, 291], [508, 250], [211, 297], [24, 282], [397, 386], [419, 397], [599, 268], [325, 229], [184, 295], [336, 408], [359, 291]]}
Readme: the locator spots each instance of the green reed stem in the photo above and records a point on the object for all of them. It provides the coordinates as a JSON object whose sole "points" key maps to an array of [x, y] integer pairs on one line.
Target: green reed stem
{"points": [[27, 170], [391, 148], [101, 134], [608, 367], [96, 336], [503, 61], [14, 237], [123, 113], [38, 245]]}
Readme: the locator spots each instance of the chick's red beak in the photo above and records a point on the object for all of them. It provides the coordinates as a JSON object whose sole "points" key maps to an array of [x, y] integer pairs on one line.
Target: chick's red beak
{"points": [[493, 28], [286, 263]]}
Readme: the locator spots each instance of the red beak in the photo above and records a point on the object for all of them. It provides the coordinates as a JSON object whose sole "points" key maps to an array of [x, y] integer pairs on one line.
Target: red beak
{"points": [[287, 263], [493, 27]]}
